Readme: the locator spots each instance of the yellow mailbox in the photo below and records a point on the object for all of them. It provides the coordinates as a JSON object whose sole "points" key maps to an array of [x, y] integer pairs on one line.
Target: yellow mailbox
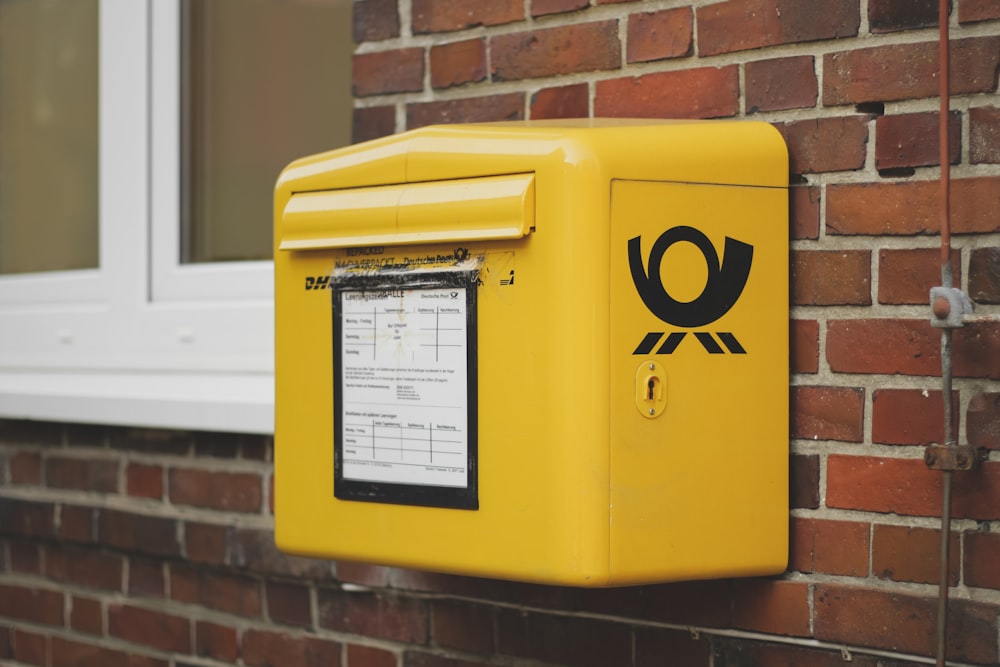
{"points": [[551, 352]]}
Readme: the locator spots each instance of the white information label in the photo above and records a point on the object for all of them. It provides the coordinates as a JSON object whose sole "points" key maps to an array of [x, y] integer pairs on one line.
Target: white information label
{"points": [[405, 398]]}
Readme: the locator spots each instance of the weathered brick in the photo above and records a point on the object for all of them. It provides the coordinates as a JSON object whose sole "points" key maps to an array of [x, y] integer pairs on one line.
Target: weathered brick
{"points": [[374, 20], [288, 604], [448, 15], [457, 63], [905, 623], [229, 491], [910, 347], [660, 35], [909, 416], [704, 603], [907, 553], [205, 542], [829, 547], [25, 468], [572, 101], [158, 441], [781, 83], [771, 606], [548, 7], [507, 106], [77, 524], [391, 617], [215, 641], [418, 659], [971, 11], [982, 421], [737, 25], [135, 532], [984, 275], [655, 647], [369, 656], [831, 277], [26, 518], [373, 122], [803, 481], [363, 574], [84, 567], [709, 92], [828, 413], [984, 135], [266, 649], [982, 553], [68, 653], [908, 71], [911, 207], [911, 140], [562, 639], [33, 433], [585, 47], [144, 480], [826, 144], [462, 626], [29, 648], [222, 591], [804, 341], [87, 616], [150, 628], [24, 557], [82, 474], [804, 203], [777, 655], [905, 276], [35, 605], [384, 72], [254, 550], [894, 15], [146, 578]]}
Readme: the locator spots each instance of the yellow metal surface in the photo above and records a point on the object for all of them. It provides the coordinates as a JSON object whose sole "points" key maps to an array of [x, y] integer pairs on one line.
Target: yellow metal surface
{"points": [[575, 484]]}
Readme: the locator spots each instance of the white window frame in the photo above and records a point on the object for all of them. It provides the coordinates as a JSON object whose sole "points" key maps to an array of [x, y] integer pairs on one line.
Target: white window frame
{"points": [[143, 340]]}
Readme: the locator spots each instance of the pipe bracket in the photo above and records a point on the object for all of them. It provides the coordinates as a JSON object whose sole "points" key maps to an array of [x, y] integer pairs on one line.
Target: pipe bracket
{"points": [[951, 457], [949, 307]]}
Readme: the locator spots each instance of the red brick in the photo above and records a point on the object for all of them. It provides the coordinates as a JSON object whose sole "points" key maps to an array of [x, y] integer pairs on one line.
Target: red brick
{"points": [[448, 15], [229, 491], [93, 569], [774, 607], [150, 628], [216, 590], [911, 207], [25, 468], [29, 648], [831, 277], [655, 647], [982, 421], [906, 486], [374, 20], [906, 553], [804, 211], [908, 71], [571, 101], [984, 275], [826, 144], [462, 626], [205, 542], [374, 615], [894, 15], [24, 557], [135, 532], [737, 25], [270, 649], [145, 577], [87, 616], [34, 605], [805, 346], [547, 7], [970, 11], [829, 547], [144, 481], [982, 553], [25, 518], [781, 83], [704, 603], [82, 474], [507, 106], [911, 347], [828, 413], [905, 276], [458, 62], [709, 92], [660, 35], [911, 140], [368, 656], [288, 604], [903, 623], [384, 72], [76, 524], [215, 641], [66, 653], [582, 642], [585, 47], [254, 550], [910, 416], [373, 122], [803, 473]]}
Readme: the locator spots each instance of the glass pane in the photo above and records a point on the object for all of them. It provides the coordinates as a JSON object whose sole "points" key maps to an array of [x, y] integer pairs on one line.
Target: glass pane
{"points": [[266, 81], [48, 135]]}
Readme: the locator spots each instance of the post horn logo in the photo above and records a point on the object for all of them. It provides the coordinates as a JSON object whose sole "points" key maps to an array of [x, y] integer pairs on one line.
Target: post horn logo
{"points": [[723, 287]]}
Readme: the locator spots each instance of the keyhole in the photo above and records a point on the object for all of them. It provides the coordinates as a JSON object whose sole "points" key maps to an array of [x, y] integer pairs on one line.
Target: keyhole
{"points": [[651, 389]]}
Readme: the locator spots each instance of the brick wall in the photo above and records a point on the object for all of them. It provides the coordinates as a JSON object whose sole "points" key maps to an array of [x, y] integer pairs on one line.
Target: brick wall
{"points": [[132, 547]]}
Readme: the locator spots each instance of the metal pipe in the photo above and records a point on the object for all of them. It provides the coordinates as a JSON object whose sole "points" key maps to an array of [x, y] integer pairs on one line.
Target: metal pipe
{"points": [[944, 204]]}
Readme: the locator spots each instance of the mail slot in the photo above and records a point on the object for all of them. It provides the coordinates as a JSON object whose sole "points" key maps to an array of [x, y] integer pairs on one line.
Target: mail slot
{"points": [[552, 352]]}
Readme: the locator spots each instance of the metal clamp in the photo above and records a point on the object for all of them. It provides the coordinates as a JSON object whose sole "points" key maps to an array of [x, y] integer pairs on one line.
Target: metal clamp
{"points": [[951, 457], [949, 307]]}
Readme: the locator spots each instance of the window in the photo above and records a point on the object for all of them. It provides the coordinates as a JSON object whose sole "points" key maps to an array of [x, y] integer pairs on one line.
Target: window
{"points": [[141, 290]]}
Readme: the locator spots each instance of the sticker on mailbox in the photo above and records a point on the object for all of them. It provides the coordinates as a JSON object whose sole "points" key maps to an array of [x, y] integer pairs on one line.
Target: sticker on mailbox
{"points": [[404, 366]]}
